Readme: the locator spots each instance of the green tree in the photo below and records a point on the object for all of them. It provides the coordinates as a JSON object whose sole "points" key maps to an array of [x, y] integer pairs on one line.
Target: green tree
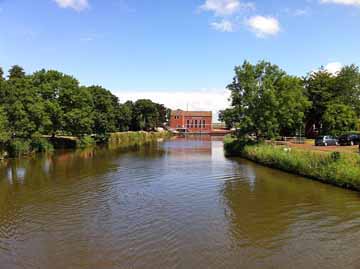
{"points": [[263, 99], [106, 106], [293, 105], [25, 108], [4, 127], [339, 118], [347, 87], [229, 117], [16, 72], [146, 115], [125, 114], [77, 105], [1, 74], [319, 88]]}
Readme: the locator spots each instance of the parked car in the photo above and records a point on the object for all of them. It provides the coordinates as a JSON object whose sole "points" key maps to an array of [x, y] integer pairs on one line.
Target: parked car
{"points": [[349, 140], [326, 140]]}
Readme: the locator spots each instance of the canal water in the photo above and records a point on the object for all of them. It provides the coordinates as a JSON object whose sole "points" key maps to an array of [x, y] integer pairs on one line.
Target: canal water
{"points": [[177, 204]]}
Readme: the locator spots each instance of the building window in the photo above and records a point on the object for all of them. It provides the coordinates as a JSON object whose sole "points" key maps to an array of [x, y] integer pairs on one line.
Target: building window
{"points": [[196, 124], [204, 126], [192, 124], [188, 124]]}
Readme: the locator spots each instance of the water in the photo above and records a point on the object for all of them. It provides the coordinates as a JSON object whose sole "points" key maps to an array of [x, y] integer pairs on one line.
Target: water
{"points": [[178, 204]]}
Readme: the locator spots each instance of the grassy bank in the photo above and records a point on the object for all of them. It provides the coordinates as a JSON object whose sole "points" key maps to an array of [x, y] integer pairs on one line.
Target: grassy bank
{"points": [[340, 169], [136, 138], [23, 147]]}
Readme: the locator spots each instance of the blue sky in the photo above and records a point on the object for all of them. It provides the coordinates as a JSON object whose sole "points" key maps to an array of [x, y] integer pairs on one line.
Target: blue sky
{"points": [[174, 51]]}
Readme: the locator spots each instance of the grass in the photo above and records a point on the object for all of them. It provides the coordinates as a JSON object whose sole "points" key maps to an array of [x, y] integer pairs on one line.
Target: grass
{"points": [[136, 138], [340, 169]]}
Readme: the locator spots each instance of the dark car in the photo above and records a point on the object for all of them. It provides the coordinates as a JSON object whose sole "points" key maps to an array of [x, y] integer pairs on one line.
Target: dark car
{"points": [[349, 140], [326, 140]]}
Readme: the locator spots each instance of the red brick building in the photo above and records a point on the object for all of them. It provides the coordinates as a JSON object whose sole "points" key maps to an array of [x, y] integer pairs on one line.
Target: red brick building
{"points": [[191, 121]]}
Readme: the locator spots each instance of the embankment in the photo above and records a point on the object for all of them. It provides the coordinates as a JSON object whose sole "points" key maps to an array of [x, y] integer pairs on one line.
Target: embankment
{"points": [[136, 138], [21, 147], [340, 169]]}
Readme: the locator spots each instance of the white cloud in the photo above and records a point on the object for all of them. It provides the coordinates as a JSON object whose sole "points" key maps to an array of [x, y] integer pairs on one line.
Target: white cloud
{"points": [[223, 26], [333, 67], [263, 26], [77, 5], [214, 100], [342, 2], [226, 7]]}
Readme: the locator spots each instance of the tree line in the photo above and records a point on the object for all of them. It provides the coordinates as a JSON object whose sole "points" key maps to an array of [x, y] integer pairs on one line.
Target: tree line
{"points": [[49, 102], [267, 102]]}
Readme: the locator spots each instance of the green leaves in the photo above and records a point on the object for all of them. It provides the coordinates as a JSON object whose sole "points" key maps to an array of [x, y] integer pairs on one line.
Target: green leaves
{"points": [[266, 102], [50, 103]]}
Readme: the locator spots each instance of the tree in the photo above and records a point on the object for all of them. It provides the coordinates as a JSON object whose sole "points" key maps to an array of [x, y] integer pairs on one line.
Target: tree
{"points": [[16, 72], [163, 114], [77, 105], [125, 116], [4, 127], [1, 74], [106, 106], [229, 117], [146, 115], [293, 105], [263, 99], [347, 87], [319, 88], [339, 118]]}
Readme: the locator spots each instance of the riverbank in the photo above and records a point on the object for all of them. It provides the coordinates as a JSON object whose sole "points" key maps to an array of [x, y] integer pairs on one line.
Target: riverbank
{"points": [[339, 169], [125, 139], [23, 147]]}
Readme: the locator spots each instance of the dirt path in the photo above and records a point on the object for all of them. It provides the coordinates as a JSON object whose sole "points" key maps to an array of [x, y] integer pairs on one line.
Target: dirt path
{"points": [[309, 145]]}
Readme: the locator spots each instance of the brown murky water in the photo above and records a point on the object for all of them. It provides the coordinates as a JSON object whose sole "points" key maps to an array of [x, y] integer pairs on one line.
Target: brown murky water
{"points": [[179, 204]]}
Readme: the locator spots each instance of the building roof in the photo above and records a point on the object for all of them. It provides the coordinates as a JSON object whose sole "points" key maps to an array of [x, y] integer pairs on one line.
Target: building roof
{"points": [[192, 113]]}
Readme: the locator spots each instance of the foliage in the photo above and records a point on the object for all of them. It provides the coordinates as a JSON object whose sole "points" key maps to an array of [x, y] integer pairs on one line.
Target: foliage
{"points": [[339, 118], [49, 102], [266, 102], [330, 93], [126, 139], [18, 147], [4, 124], [333, 168], [145, 115], [16, 72], [86, 141], [229, 117], [40, 144]]}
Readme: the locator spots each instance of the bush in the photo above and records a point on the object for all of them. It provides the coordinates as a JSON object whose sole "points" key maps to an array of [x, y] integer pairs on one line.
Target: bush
{"points": [[18, 147], [234, 146], [125, 139], [86, 141], [39, 144], [333, 168]]}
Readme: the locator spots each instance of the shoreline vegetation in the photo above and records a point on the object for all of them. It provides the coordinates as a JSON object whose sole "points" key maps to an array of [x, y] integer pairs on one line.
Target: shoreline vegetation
{"points": [[335, 168], [47, 109], [267, 103], [115, 140]]}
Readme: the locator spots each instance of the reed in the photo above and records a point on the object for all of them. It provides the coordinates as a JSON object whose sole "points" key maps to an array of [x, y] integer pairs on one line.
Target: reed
{"points": [[340, 169]]}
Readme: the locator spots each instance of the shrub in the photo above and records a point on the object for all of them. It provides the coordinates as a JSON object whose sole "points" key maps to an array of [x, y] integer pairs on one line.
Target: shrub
{"points": [[334, 168], [86, 141], [18, 147], [40, 144], [234, 146]]}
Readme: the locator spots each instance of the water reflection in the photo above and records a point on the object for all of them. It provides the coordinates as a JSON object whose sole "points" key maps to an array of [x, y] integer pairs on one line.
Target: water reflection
{"points": [[177, 204]]}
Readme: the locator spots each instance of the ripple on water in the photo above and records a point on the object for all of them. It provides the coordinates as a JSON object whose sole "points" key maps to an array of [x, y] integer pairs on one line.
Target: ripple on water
{"points": [[176, 205]]}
